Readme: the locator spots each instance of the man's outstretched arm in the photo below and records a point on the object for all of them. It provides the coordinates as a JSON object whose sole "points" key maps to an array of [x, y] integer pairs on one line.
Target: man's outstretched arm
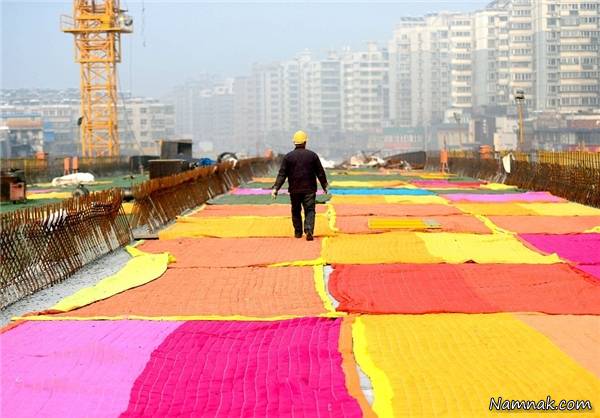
{"points": [[281, 176], [320, 172]]}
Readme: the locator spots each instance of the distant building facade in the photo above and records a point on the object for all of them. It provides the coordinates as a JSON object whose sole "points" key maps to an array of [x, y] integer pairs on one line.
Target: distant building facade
{"points": [[142, 122], [436, 71]]}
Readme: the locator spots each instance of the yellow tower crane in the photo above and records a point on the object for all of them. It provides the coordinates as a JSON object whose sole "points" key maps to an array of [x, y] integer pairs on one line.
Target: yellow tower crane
{"points": [[97, 26]]}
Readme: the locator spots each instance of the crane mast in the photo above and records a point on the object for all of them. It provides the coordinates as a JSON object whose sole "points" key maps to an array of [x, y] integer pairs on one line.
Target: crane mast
{"points": [[97, 26]]}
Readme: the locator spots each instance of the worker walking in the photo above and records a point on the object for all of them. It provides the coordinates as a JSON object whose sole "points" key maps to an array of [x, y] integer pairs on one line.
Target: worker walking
{"points": [[302, 168]]}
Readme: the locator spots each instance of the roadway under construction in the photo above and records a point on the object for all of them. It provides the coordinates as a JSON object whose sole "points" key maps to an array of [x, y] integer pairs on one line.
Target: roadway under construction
{"points": [[423, 294]]}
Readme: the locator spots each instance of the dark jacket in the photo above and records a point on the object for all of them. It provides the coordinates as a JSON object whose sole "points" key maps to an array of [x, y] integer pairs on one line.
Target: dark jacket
{"points": [[301, 167]]}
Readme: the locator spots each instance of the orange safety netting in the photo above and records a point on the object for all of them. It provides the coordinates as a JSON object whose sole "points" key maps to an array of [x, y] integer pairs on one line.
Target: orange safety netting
{"points": [[249, 291], [451, 223], [395, 210], [250, 210], [468, 288], [576, 335], [234, 252], [546, 224]]}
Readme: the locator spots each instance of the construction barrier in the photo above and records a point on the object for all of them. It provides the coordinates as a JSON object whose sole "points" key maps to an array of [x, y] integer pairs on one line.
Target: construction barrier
{"points": [[573, 175], [42, 246], [159, 201]]}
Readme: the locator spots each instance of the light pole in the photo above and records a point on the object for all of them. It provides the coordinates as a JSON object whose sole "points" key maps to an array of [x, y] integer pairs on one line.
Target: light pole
{"points": [[457, 118], [520, 99]]}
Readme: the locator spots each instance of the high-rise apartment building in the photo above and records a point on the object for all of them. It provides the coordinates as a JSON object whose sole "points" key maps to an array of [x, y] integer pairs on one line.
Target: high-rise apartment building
{"points": [[143, 123], [204, 111], [270, 82], [549, 49], [321, 94], [490, 80], [365, 89], [567, 54], [461, 61], [246, 110], [420, 71], [292, 91], [186, 98], [440, 68], [521, 51]]}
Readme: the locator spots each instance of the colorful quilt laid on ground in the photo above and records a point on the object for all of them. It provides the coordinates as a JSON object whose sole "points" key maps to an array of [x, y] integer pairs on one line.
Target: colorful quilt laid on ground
{"points": [[422, 295]]}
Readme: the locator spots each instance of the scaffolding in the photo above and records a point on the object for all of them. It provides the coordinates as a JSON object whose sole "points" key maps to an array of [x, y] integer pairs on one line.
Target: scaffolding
{"points": [[97, 26]]}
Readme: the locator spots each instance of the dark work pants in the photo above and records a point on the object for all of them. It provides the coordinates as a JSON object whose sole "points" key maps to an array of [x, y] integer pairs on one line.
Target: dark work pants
{"points": [[306, 201]]}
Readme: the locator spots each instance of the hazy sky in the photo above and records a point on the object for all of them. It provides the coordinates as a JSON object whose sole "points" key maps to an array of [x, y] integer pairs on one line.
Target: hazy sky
{"points": [[173, 41]]}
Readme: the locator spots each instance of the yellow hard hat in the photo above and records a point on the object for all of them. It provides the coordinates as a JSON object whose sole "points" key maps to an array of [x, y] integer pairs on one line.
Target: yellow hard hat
{"points": [[300, 137]]}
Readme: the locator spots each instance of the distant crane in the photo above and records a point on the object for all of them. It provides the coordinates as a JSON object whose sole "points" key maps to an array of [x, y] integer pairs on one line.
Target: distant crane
{"points": [[97, 26]]}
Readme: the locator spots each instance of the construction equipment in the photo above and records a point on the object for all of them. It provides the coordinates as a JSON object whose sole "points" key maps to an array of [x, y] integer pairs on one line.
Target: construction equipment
{"points": [[13, 187], [176, 148], [97, 26]]}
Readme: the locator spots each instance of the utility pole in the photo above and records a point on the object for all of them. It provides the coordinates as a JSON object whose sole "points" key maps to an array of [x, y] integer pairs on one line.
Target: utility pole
{"points": [[457, 118], [520, 99]]}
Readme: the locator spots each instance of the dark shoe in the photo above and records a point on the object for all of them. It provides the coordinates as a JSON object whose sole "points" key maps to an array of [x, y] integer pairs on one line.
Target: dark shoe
{"points": [[309, 236], [298, 235]]}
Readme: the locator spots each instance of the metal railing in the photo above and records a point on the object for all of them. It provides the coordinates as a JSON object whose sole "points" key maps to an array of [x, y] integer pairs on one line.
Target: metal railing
{"points": [[573, 175], [159, 201], [41, 246]]}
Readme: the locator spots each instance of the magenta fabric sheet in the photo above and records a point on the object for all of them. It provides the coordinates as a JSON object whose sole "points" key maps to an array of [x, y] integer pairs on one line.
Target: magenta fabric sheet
{"points": [[74, 368], [591, 269], [246, 369], [253, 192], [503, 198], [578, 248]]}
